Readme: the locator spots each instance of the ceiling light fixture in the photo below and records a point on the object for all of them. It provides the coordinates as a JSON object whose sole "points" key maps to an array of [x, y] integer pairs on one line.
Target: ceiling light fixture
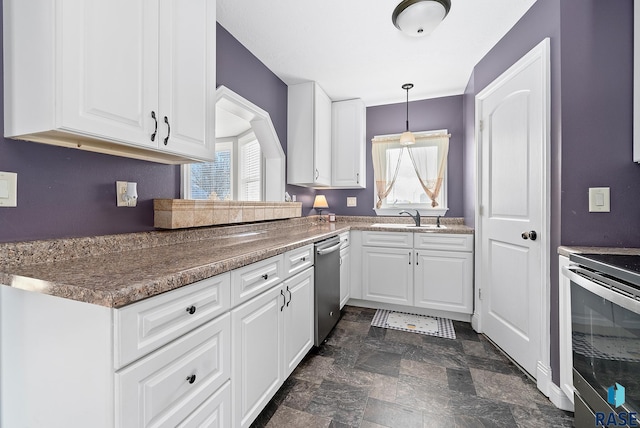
{"points": [[419, 17], [407, 138]]}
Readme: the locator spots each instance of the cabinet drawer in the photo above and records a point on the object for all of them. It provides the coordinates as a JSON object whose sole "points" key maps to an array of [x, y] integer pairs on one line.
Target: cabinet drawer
{"points": [[165, 387], [253, 279], [344, 240], [147, 325], [443, 241], [215, 412], [298, 260], [387, 239]]}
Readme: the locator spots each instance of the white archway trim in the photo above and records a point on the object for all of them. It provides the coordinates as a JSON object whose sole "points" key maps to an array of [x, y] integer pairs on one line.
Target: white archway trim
{"points": [[265, 133]]}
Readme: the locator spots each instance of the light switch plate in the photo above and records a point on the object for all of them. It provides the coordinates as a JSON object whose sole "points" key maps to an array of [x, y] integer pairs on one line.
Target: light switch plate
{"points": [[599, 200], [8, 189], [352, 201]]}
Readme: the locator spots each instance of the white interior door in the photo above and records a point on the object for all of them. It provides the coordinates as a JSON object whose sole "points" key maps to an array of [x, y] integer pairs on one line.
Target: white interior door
{"points": [[513, 236]]}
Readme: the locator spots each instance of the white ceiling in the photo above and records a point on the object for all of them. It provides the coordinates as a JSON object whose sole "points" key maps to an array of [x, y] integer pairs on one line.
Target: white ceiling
{"points": [[352, 49]]}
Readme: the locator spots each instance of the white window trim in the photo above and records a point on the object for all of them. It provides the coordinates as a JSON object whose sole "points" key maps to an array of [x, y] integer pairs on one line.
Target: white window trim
{"points": [[243, 139], [274, 158], [424, 209]]}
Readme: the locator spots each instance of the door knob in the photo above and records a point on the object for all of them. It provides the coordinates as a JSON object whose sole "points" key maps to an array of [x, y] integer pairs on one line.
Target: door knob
{"points": [[530, 235]]}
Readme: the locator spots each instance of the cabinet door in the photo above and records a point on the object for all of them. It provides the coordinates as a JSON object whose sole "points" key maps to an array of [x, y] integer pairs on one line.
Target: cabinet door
{"points": [[348, 144], [322, 147], [345, 275], [387, 275], [187, 77], [298, 319], [108, 69], [257, 354], [444, 281]]}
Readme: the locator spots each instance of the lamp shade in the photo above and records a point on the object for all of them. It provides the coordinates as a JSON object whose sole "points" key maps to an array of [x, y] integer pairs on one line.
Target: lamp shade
{"points": [[407, 139], [418, 18], [320, 202]]}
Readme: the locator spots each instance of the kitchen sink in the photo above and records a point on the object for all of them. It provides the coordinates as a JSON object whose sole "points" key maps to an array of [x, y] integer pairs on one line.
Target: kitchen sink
{"points": [[408, 226]]}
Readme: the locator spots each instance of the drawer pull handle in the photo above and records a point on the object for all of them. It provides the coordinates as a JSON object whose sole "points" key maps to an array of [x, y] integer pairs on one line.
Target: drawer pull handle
{"points": [[191, 310], [155, 131], [166, 140], [265, 276], [304, 259], [284, 300], [417, 259], [191, 378], [289, 296]]}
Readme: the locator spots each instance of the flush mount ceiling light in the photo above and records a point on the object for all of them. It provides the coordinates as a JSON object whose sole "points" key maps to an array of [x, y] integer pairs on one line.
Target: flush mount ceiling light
{"points": [[419, 17], [407, 138]]}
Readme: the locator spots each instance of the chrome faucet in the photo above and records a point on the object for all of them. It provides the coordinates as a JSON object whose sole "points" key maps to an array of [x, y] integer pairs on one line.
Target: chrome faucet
{"points": [[415, 218]]}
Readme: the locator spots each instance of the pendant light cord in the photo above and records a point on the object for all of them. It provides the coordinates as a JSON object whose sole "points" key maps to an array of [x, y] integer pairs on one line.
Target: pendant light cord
{"points": [[407, 86]]}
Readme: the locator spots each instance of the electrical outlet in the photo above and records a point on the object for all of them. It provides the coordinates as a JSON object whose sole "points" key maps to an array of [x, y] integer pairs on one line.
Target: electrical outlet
{"points": [[121, 190], [352, 201]]}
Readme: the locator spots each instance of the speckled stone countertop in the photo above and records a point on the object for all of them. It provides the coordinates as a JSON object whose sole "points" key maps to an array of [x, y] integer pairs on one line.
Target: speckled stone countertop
{"points": [[117, 270], [566, 250]]}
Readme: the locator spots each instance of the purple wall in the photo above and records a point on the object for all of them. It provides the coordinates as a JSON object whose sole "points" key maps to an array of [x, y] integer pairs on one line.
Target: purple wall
{"points": [[67, 192], [597, 123]]}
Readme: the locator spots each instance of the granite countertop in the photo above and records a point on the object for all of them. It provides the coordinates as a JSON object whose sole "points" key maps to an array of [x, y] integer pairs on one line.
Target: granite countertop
{"points": [[567, 250], [117, 270]]}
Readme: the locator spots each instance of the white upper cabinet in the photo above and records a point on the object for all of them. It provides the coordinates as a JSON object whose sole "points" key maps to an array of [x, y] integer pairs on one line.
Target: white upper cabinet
{"points": [[348, 142], [308, 136], [134, 78]]}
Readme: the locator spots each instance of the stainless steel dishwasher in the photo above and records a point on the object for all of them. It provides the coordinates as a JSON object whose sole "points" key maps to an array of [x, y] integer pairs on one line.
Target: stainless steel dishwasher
{"points": [[327, 287]]}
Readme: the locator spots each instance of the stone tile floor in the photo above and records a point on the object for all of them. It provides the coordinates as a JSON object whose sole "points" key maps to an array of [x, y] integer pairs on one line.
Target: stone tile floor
{"points": [[371, 377]]}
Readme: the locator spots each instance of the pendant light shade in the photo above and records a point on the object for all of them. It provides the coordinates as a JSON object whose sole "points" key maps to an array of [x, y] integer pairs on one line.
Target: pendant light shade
{"points": [[418, 18], [407, 138]]}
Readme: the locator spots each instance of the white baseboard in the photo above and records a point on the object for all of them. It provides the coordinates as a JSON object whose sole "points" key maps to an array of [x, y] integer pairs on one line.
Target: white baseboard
{"points": [[559, 398], [543, 378], [547, 387]]}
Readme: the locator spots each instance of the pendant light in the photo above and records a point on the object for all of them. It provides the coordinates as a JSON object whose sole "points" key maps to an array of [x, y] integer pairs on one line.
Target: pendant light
{"points": [[407, 138], [418, 18]]}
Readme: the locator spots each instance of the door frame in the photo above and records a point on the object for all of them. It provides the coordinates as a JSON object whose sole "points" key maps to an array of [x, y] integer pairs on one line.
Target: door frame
{"points": [[539, 52]]}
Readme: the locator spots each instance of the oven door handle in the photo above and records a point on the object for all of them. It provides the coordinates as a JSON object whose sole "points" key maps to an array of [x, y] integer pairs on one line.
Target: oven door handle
{"points": [[587, 280]]}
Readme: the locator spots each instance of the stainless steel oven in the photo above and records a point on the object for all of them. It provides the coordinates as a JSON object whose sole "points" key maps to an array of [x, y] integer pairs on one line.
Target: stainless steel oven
{"points": [[605, 324]]}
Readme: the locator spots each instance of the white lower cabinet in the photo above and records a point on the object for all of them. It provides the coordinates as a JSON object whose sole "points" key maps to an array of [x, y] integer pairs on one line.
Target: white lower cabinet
{"points": [[298, 319], [387, 275], [443, 279], [257, 354], [271, 334], [184, 358], [215, 412], [345, 268], [345, 275], [163, 388], [431, 271]]}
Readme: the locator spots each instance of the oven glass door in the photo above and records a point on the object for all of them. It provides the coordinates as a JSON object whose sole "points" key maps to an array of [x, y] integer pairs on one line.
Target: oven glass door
{"points": [[606, 345]]}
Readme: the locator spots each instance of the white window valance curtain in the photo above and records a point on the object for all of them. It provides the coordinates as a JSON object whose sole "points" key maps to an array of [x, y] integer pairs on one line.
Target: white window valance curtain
{"points": [[429, 169]]}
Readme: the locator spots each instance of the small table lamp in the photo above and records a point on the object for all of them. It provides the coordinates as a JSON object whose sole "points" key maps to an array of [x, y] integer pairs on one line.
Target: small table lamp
{"points": [[320, 203]]}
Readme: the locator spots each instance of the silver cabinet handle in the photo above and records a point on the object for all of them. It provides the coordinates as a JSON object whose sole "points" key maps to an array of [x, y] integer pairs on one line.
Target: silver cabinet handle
{"points": [[410, 257], [357, 178], [417, 259], [317, 173], [284, 300], [290, 295]]}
